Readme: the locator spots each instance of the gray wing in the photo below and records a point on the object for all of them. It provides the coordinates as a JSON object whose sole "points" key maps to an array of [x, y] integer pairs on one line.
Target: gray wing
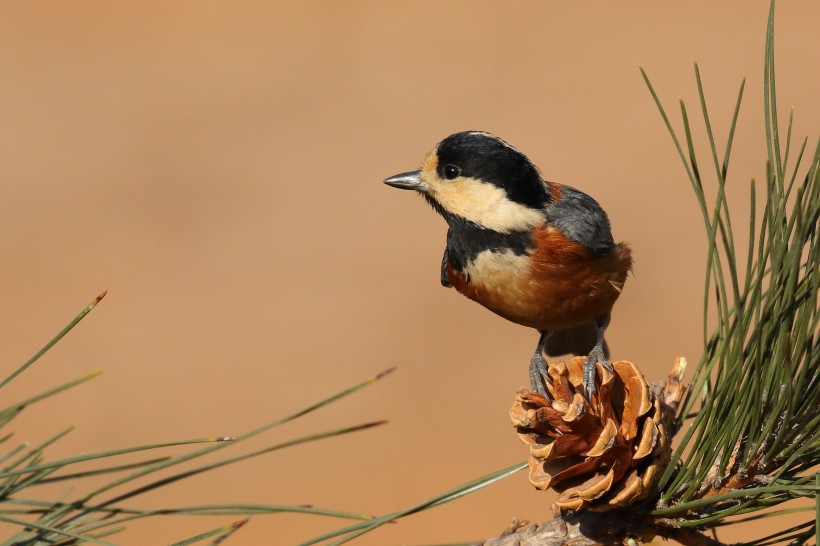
{"points": [[445, 280], [582, 219]]}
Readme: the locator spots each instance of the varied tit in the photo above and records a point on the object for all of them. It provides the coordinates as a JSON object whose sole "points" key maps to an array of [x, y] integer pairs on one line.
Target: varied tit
{"points": [[537, 253]]}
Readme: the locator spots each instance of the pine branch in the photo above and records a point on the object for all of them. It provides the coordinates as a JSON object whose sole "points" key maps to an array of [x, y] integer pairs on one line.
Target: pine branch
{"points": [[595, 529]]}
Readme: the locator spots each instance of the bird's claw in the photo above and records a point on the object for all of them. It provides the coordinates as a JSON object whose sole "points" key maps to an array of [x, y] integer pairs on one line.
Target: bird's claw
{"points": [[596, 357], [538, 373]]}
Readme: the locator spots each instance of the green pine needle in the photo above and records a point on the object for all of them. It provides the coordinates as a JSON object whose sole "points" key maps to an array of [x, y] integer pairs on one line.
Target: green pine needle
{"points": [[221, 531], [55, 339], [358, 529], [754, 440], [86, 519]]}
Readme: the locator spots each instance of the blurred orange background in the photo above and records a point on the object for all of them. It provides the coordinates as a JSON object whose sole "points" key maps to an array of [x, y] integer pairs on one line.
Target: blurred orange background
{"points": [[218, 168]]}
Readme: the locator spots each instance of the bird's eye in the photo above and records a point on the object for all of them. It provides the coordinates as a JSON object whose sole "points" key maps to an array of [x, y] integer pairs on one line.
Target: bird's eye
{"points": [[451, 172]]}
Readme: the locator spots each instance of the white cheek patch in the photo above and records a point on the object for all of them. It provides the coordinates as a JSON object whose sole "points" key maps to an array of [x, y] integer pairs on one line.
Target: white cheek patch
{"points": [[484, 204]]}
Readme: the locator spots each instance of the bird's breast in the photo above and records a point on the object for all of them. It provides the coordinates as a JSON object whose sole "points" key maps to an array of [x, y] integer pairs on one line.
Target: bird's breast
{"points": [[555, 284]]}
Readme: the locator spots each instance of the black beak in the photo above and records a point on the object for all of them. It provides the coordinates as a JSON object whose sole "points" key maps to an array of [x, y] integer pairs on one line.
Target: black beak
{"points": [[405, 181]]}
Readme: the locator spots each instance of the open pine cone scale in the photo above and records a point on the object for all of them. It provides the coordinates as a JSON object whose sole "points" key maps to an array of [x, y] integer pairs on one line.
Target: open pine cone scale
{"points": [[599, 456]]}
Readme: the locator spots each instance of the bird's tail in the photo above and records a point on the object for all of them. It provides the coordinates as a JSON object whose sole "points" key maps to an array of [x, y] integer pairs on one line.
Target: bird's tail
{"points": [[578, 340]]}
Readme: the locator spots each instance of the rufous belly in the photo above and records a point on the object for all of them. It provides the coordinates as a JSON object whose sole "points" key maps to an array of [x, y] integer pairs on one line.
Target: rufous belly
{"points": [[558, 285]]}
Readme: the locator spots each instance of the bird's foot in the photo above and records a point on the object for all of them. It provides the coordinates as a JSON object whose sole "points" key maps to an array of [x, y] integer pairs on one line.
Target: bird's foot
{"points": [[538, 372], [596, 357]]}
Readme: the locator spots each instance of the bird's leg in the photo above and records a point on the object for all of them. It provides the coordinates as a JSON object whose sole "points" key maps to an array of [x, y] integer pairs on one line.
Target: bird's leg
{"points": [[596, 356], [538, 367]]}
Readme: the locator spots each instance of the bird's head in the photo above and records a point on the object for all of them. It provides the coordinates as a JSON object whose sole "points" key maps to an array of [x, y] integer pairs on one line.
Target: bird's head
{"points": [[477, 177]]}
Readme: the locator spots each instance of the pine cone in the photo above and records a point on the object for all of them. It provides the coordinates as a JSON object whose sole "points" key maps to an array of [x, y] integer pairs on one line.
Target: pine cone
{"points": [[599, 457]]}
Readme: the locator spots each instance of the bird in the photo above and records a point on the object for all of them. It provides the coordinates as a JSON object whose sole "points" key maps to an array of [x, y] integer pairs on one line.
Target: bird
{"points": [[537, 253]]}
